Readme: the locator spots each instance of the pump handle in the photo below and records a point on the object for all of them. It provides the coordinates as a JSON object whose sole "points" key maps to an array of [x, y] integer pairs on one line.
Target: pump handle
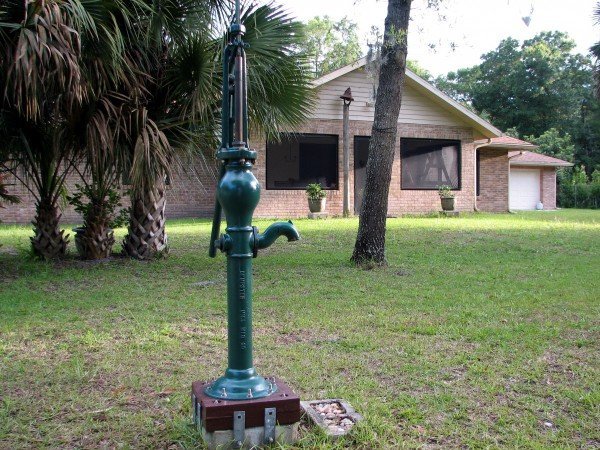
{"points": [[216, 225]]}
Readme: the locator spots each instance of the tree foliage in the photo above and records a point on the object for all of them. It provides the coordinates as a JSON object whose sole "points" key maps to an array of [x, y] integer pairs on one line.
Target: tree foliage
{"points": [[534, 87], [551, 143], [330, 45], [595, 50], [419, 70]]}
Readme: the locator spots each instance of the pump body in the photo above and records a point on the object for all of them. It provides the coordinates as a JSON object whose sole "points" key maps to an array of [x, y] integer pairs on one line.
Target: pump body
{"points": [[238, 194]]}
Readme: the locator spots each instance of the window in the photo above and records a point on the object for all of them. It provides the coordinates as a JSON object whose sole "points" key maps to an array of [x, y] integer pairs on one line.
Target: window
{"points": [[300, 159], [430, 163], [361, 155]]}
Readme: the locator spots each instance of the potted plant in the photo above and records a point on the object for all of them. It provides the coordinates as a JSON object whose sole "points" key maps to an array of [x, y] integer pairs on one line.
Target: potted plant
{"points": [[316, 198], [447, 198], [101, 213]]}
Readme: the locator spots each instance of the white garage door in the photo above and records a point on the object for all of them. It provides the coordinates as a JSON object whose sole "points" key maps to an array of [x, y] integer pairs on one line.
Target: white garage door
{"points": [[524, 188]]}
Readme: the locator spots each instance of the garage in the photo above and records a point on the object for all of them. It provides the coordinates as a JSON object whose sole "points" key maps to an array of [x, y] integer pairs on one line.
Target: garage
{"points": [[533, 180], [524, 190]]}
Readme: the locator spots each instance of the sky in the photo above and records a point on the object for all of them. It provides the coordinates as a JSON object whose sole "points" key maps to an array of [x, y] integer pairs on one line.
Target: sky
{"points": [[473, 26]]}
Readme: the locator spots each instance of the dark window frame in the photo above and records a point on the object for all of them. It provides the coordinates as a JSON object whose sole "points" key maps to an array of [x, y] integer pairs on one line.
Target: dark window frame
{"points": [[337, 163], [459, 163], [478, 173], [358, 137]]}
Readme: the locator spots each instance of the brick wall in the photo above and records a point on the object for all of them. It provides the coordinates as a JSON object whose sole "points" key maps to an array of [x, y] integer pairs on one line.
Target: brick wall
{"points": [[293, 203], [493, 180], [24, 212], [548, 187], [191, 192]]}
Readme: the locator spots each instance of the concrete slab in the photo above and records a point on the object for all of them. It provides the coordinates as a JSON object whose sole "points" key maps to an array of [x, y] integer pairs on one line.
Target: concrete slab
{"points": [[255, 437], [320, 215]]}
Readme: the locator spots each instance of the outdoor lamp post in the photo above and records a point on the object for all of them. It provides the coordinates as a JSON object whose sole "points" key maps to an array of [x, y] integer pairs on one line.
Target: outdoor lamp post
{"points": [[347, 98], [240, 394]]}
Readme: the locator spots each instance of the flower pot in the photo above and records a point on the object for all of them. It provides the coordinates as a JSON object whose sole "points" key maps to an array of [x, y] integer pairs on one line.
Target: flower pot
{"points": [[316, 205], [448, 203]]}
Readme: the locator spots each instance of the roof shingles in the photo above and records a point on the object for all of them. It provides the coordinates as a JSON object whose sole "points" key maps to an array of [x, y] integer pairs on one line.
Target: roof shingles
{"points": [[525, 158]]}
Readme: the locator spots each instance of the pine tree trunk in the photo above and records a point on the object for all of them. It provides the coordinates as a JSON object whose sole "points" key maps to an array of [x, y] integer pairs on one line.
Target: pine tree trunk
{"points": [[146, 237], [49, 241], [370, 240]]}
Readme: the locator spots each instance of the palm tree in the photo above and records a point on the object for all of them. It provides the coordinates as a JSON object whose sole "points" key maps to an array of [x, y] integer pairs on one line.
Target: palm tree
{"points": [[136, 83], [45, 86], [98, 122], [177, 109], [39, 77]]}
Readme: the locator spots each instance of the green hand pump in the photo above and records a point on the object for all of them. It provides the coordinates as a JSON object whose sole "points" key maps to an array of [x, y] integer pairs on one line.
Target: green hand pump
{"points": [[238, 193]]}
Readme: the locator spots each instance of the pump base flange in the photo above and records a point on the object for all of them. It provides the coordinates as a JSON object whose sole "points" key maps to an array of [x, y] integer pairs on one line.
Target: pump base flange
{"points": [[240, 385], [213, 414]]}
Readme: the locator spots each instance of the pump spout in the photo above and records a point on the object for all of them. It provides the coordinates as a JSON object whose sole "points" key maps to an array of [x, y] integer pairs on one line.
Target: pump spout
{"points": [[275, 230]]}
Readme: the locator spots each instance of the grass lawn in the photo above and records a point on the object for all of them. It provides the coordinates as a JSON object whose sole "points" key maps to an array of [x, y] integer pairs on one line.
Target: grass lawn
{"points": [[483, 331]]}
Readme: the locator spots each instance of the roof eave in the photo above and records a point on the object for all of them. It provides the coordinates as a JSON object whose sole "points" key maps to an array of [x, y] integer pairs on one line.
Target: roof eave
{"points": [[483, 126], [540, 164], [339, 72], [512, 147]]}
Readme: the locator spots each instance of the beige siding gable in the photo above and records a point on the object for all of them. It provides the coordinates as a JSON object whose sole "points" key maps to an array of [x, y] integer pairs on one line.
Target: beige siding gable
{"points": [[416, 107]]}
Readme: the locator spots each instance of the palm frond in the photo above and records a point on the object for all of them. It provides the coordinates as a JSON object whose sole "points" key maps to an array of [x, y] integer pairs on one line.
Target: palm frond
{"points": [[280, 95], [151, 152], [40, 56], [193, 79]]}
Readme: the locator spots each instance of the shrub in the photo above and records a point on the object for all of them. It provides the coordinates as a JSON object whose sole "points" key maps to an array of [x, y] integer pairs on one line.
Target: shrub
{"points": [[596, 176], [445, 192], [579, 195], [107, 209], [314, 191]]}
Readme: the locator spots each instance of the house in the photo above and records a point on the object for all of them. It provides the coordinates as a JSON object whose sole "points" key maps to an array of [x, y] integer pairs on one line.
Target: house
{"points": [[440, 142], [531, 176]]}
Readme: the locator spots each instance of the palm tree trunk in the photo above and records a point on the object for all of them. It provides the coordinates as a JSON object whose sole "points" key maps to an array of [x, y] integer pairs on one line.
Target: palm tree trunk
{"points": [[97, 241], [370, 240], [49, 241], [146, 237]]}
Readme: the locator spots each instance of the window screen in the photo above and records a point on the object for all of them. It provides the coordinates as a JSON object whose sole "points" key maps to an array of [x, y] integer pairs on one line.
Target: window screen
{"points": [[300, 159], [430, 163]]}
